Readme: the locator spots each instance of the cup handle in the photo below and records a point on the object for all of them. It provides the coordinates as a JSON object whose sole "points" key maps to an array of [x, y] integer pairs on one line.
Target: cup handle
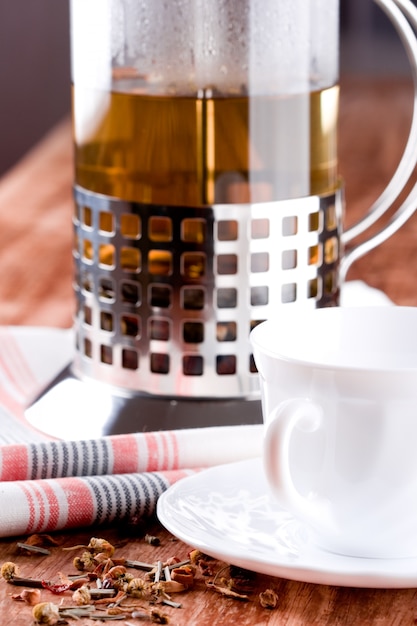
{"points": [[403, 15], [305, 415]]}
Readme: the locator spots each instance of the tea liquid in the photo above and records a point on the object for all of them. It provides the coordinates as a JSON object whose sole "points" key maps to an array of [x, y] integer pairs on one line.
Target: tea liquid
{"points": [[198, 151]]}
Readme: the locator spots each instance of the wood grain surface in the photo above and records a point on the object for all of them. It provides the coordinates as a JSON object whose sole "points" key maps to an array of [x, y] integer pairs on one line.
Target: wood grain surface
{"points": [[298, 603], [36, 289]]}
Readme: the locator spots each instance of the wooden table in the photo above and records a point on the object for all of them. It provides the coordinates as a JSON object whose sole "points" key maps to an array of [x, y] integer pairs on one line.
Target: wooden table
{"points": [[36, 289], [299, 604]]}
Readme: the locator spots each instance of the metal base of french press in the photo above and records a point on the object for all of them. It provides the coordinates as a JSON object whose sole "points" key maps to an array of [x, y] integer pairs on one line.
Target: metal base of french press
{"points": [[71, 408]]}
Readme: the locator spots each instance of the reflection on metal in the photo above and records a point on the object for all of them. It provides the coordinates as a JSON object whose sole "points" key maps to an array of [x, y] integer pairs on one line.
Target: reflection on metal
{"points": [[166, 299], [71, 408]]}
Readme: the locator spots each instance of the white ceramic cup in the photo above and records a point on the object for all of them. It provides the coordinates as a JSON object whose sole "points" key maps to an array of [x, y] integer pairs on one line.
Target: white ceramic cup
{"points": [[339, 399]]}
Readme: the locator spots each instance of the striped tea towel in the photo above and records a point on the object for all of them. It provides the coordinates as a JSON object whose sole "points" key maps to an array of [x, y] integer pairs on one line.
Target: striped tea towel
{"points": [[48, 485]]}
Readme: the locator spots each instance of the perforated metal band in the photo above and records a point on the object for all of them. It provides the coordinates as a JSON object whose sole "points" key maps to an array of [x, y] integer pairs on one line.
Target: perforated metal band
{"points": [[167, 296]]}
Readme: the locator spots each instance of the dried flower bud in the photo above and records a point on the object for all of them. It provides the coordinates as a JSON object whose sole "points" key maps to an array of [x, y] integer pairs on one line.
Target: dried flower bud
{"points": [[9, 570], [121, 584], [84, 562], [196, 556], [268, 599], [45, 613], [136, 587], [97, 545], [82, 596], [79, 564]]}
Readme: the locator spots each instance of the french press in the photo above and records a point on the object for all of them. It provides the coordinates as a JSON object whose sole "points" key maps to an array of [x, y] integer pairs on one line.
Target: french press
{"points": [[207, 197]]}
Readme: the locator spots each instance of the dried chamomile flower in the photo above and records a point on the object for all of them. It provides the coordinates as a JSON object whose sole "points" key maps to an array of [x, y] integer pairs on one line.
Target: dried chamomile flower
{"points": [[121, 584], [84, 562], [268, 599], [45, 613], [117, 577], [9, 570], [136, 588], [82, 596], [97, 545], [197, 555]]}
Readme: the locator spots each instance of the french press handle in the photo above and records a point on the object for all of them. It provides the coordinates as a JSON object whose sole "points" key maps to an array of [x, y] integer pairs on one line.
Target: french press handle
{"points": [[403, 15]]}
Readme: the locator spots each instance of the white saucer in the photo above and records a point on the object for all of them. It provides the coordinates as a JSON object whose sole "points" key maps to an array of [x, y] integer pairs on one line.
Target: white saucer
{"points": [[226, 512]]}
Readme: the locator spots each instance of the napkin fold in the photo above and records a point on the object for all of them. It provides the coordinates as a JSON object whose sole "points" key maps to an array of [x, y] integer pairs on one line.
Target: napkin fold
{"points": [[36, 506], [60, 485], [130, 454]]}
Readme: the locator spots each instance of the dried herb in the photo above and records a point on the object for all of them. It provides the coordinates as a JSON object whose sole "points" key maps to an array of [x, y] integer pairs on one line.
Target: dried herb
{"points": [[26, 547], [84, 562], [20, 581], [11, 574], [223, 585], [206, 564], [146, 567], [153, 541], [82, 596], [158, 618], [241, 580], [101, 546], [175, 605], [268, 599], [226, 591], [9, 571], [30, 596], [50, 613], [41, 540], [184, 575], [108, 588], [45, 613], [55, 588], [96, 546]]}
